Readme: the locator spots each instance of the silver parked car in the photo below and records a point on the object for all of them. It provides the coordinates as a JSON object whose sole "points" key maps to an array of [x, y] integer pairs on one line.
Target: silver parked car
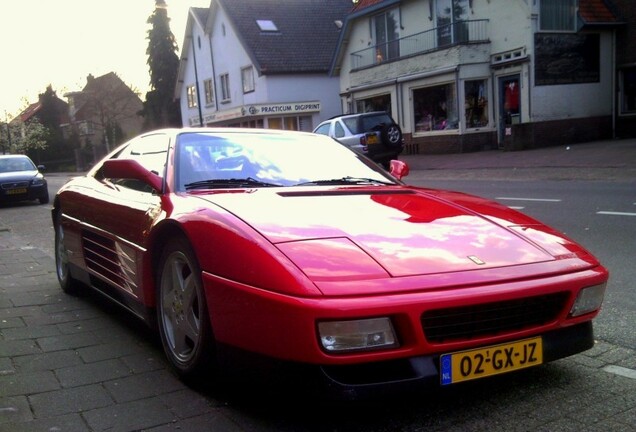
{"points": [[374, 134]]}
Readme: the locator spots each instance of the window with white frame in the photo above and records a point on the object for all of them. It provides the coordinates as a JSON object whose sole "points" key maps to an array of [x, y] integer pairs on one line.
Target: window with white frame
{"points": [[247, 75], [476, 106], [386, 33], [209, 91], [435, 108], [557, 15], [225, 87], [450, 16], [192, 96]]}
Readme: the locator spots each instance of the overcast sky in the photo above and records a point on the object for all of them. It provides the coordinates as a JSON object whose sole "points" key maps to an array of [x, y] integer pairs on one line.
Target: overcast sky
{"points": [[60, 42]]}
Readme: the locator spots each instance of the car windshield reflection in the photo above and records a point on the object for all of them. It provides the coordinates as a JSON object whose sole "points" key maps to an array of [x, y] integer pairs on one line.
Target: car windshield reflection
{"points": [[233, 160]]}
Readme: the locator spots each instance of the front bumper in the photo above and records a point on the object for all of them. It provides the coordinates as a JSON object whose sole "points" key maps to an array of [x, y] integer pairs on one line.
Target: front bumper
{"points": [[31, 193], [361, 381]]}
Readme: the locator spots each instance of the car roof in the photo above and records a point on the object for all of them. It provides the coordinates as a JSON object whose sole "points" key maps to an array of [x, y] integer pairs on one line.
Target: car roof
{"points": [[13, 156], [364, 114]]}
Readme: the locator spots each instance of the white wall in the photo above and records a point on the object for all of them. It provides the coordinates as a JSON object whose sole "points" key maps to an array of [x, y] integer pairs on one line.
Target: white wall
{"points": [[231, 57]]}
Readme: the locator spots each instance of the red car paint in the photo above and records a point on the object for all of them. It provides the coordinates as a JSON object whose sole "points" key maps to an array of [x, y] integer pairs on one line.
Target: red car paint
{"points": [[275, 261]]}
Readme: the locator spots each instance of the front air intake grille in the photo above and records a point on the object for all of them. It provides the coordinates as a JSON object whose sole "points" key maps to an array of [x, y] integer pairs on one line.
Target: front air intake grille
{"points": [[13, 185], [463, 323]]}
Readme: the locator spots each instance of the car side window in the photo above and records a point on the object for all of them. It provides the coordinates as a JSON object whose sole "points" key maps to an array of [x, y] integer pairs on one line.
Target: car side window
{"points": [[151, 151], [340, 132], [352, 125], [323, 129]]}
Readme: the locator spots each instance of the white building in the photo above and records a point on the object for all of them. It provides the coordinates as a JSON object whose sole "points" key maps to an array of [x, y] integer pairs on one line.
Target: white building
{"points": [[463, 75], [260, 63]]}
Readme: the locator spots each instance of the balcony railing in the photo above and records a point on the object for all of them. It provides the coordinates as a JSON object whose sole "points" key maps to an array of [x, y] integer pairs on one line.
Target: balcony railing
{"points": [[441, 37]]}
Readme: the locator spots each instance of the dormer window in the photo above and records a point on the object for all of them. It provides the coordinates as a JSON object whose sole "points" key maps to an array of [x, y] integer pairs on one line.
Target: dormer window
{"points": [[267, 26]]}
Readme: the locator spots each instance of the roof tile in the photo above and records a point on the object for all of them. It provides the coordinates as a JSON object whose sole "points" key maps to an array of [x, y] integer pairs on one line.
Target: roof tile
{"points": [[306, 38], [595, 12]]}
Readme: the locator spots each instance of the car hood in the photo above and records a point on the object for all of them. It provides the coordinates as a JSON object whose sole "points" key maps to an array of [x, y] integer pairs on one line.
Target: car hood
{"points": [[361, 232], [18, 175]]}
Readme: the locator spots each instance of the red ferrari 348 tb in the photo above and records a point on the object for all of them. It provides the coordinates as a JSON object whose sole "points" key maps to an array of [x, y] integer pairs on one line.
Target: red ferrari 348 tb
{"points": [[288, 246]]}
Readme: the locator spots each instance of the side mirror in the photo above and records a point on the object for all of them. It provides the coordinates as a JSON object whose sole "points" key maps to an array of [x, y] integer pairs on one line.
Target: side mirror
{"points": [[399, 169], [131, 169], [41, 168]]}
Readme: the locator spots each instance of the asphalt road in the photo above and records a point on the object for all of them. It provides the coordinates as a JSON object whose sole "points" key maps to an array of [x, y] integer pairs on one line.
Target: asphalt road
{"points": [[113, 376], [600, 215]]}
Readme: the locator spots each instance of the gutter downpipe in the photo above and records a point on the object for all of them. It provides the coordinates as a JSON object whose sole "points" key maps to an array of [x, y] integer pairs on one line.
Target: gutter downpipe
{"points": [[216, 94], [196, 78], [613, 84]]}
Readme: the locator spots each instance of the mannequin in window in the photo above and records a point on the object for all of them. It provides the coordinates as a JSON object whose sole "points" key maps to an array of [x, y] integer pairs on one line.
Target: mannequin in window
{"points": [[511, 104], [378, 56]]}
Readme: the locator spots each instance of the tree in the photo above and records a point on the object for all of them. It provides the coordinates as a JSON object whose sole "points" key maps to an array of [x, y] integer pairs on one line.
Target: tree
{"points": [[24, 137], [160, 108]]}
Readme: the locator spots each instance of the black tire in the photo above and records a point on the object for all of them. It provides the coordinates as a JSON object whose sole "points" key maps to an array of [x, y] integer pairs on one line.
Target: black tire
{"points": [[182, 313], [391, 135], [62, 266]]}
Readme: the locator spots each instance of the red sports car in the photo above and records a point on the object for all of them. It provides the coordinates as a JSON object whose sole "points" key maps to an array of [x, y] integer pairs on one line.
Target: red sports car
{"points": [[288, 246]]}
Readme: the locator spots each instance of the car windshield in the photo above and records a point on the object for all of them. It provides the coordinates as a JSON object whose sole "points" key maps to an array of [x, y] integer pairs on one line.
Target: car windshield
{"points": [[14, 164], [208, 160]]}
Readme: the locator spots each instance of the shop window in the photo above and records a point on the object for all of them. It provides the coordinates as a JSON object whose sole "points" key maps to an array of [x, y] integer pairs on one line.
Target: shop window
{"points": [[557, 15], [375, 103], [275, 123], [258, 123], [295, 123], [192, 96], [435, 108], [476, 104], [628, 91], [305, 124]]}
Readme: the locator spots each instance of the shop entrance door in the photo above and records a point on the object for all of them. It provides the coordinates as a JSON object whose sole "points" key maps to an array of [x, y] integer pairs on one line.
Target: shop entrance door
{"points": [[509, 106]]}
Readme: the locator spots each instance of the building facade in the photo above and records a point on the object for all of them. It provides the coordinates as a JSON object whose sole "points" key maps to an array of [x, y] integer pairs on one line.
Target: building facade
{"points": [[102, 115], [626, 69], [260, 63], [466, 75]]}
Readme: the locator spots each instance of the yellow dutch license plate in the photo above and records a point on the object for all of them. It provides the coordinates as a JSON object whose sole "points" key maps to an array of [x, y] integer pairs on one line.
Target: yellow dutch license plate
{"points": [[491, 360], [372, 139], [16, 191]]}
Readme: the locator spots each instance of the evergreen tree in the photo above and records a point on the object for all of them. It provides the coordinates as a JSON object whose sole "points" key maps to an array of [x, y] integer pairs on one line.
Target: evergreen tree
{"points": [[160, 108]]}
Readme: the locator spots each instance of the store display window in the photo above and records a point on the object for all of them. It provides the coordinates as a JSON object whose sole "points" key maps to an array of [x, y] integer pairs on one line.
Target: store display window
{"points": [[435, 108]]}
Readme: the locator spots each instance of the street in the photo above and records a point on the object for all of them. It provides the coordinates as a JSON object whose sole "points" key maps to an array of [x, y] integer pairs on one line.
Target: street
{"points": [[113, 376]]}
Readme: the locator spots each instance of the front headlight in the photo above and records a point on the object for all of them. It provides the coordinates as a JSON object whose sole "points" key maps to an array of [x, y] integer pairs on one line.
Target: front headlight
{"points": [[357, 335], [37, 182], [588, 300]]}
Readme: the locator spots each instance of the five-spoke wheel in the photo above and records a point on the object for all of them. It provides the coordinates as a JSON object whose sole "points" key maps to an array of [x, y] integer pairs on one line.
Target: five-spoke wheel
{"points": [[182, 311]]}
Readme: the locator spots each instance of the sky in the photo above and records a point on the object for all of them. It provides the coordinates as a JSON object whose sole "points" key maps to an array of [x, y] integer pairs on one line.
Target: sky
{"points": [[61, 42]]}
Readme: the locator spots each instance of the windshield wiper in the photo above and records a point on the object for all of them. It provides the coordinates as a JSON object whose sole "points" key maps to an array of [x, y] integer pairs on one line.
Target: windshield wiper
{"points": [[345, 181], [233, 182]]}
